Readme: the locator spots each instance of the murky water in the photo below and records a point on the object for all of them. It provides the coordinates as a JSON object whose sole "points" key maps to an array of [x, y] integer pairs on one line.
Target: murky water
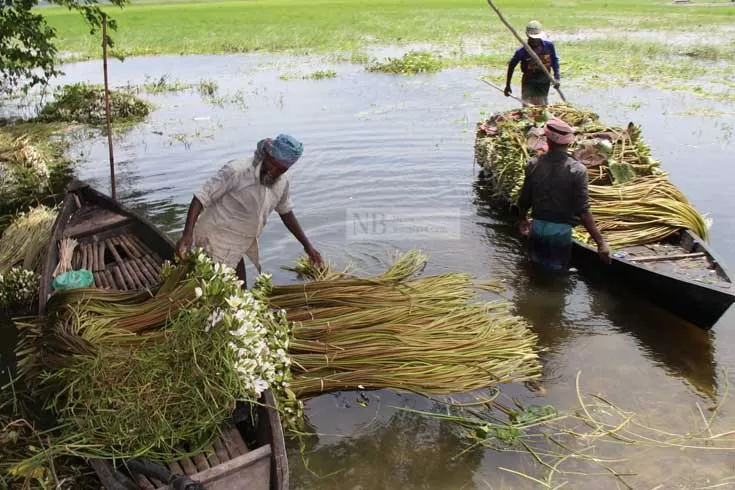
{"points": [[377, 141]]}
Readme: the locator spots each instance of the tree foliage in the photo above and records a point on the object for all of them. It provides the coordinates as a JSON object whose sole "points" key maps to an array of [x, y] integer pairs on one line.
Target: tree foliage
{"points": [[27, 52]]}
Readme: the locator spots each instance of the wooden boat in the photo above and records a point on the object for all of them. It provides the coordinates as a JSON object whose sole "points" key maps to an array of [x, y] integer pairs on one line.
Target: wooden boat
{"points": [[125, 252], [680, 274]]}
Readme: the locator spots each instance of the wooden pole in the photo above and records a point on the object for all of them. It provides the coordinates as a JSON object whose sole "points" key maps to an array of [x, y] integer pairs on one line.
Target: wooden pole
{"points": [[107, 106], [528, 48], [523, 102]]}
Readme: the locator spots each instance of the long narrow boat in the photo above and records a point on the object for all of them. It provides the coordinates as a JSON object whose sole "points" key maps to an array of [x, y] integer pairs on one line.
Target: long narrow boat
{"points": [[124, 251], [680, 274]]}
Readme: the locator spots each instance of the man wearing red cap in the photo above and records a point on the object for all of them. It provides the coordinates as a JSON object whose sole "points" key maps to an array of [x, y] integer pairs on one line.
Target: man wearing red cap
{"points": [[555, 190]]}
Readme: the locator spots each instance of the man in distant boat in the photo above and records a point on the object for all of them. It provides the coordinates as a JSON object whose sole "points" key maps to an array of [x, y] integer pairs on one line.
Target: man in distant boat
{"points": [[228, 214], [535, 83], [555, 190]]}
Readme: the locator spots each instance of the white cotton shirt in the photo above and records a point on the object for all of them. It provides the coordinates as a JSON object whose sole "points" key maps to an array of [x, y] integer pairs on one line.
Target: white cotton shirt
{"points": [[236, 208]]}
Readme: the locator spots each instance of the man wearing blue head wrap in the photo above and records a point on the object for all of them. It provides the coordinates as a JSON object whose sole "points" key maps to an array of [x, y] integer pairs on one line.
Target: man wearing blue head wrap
{"points": [[227, 215]]}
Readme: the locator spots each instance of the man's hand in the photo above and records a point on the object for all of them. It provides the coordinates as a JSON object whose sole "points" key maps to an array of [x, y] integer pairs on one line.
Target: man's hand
{"points": [[184, 244], [314, 257], [524, 226], [507, 91], [604, 251], [557, 83]]}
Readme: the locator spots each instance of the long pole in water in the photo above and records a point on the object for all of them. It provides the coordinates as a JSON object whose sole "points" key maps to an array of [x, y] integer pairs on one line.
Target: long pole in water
{"points": [[528, 48], [107, 105], [523, 102]]}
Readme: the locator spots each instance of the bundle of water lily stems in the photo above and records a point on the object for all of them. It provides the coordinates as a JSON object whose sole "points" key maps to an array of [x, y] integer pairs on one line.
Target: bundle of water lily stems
{"points": [[23, 242], [127, 374], [420, 334], [632, 200]]}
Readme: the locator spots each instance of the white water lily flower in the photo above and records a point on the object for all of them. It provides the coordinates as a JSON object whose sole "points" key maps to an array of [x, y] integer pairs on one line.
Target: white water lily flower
{"points": [[198, 292]]}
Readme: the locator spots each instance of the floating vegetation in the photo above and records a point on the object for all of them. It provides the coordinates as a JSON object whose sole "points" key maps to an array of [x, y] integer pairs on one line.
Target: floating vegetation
{"points": [[411, 63], [163, 84], [596, 440], [85, 104], [421, 334], [208, 88], [631, 199], [320, 75]]}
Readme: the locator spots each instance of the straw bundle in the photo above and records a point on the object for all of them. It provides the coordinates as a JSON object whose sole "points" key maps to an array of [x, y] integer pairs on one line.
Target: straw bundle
{"points": [[66, 252], [631, 199], [394, 331], [23, 242]]}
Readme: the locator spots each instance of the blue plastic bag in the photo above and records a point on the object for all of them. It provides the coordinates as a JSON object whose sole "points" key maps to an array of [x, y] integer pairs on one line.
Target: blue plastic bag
{"points": [[73, 280]]}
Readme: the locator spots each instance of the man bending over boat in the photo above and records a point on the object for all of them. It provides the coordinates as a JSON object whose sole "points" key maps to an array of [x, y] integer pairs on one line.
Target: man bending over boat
{"points": [[555, 189], [227, 215], [534, 83]]}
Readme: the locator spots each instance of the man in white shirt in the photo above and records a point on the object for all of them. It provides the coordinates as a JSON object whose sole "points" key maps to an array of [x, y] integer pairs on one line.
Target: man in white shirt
{"points": [[228, 214]]}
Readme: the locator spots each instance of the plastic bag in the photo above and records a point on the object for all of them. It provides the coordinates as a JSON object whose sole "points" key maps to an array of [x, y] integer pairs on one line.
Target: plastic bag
{"points": [[73, 280]]}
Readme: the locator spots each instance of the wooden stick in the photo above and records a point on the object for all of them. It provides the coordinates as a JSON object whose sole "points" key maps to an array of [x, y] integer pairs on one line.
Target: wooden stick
{"points": [[128, 280], [523, 102], [145, 271], [200, 461], [110, 279], [153, 263], [127, 239], [663, 258], [144, 483], [221, 451], [84, 256], [141, 246], [121, 243], [212, 457], [92, 256], [138, 273], [119, 280], [76, 200], [107, 105], [131, 276], [98, 280], [176, 468], [101, 250], [188, 466], [528, 48], [114, 251]]}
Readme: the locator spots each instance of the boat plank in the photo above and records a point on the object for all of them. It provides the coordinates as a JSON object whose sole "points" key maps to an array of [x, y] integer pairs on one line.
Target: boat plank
{"points": [[100, 220], [250, 471]]}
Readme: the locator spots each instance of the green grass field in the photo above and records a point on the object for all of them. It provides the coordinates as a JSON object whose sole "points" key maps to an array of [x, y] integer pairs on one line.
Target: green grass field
{"points": [[602, 40]]}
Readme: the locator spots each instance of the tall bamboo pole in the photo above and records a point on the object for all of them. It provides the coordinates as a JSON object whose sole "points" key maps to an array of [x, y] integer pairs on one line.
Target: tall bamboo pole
{"points": [[107, 105]]}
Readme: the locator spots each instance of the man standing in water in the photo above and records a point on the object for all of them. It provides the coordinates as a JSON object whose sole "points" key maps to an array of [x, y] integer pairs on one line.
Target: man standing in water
{"points": [[534, 83], [555, 189], [227, 215]]}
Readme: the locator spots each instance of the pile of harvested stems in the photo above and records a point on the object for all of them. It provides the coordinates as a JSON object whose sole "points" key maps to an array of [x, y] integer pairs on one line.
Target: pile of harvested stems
{"points": [[398, 331], [24, 241], [132, 374], [631, 198], [597, 439]]}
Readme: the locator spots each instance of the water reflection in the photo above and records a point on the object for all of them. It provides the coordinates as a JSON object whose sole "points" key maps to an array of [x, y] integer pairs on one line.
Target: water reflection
{"points": [[682, 349], [410, 451]]}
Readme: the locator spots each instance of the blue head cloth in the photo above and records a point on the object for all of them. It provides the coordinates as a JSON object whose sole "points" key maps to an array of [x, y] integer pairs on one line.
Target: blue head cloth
{"points": [[285, 149]]}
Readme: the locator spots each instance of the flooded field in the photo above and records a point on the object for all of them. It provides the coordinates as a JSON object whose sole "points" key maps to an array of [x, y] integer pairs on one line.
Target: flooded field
{"points": [[376, 142]]}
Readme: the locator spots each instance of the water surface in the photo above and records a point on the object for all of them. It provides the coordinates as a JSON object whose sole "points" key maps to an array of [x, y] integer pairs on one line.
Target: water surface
{"points": [[406, 143]]}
